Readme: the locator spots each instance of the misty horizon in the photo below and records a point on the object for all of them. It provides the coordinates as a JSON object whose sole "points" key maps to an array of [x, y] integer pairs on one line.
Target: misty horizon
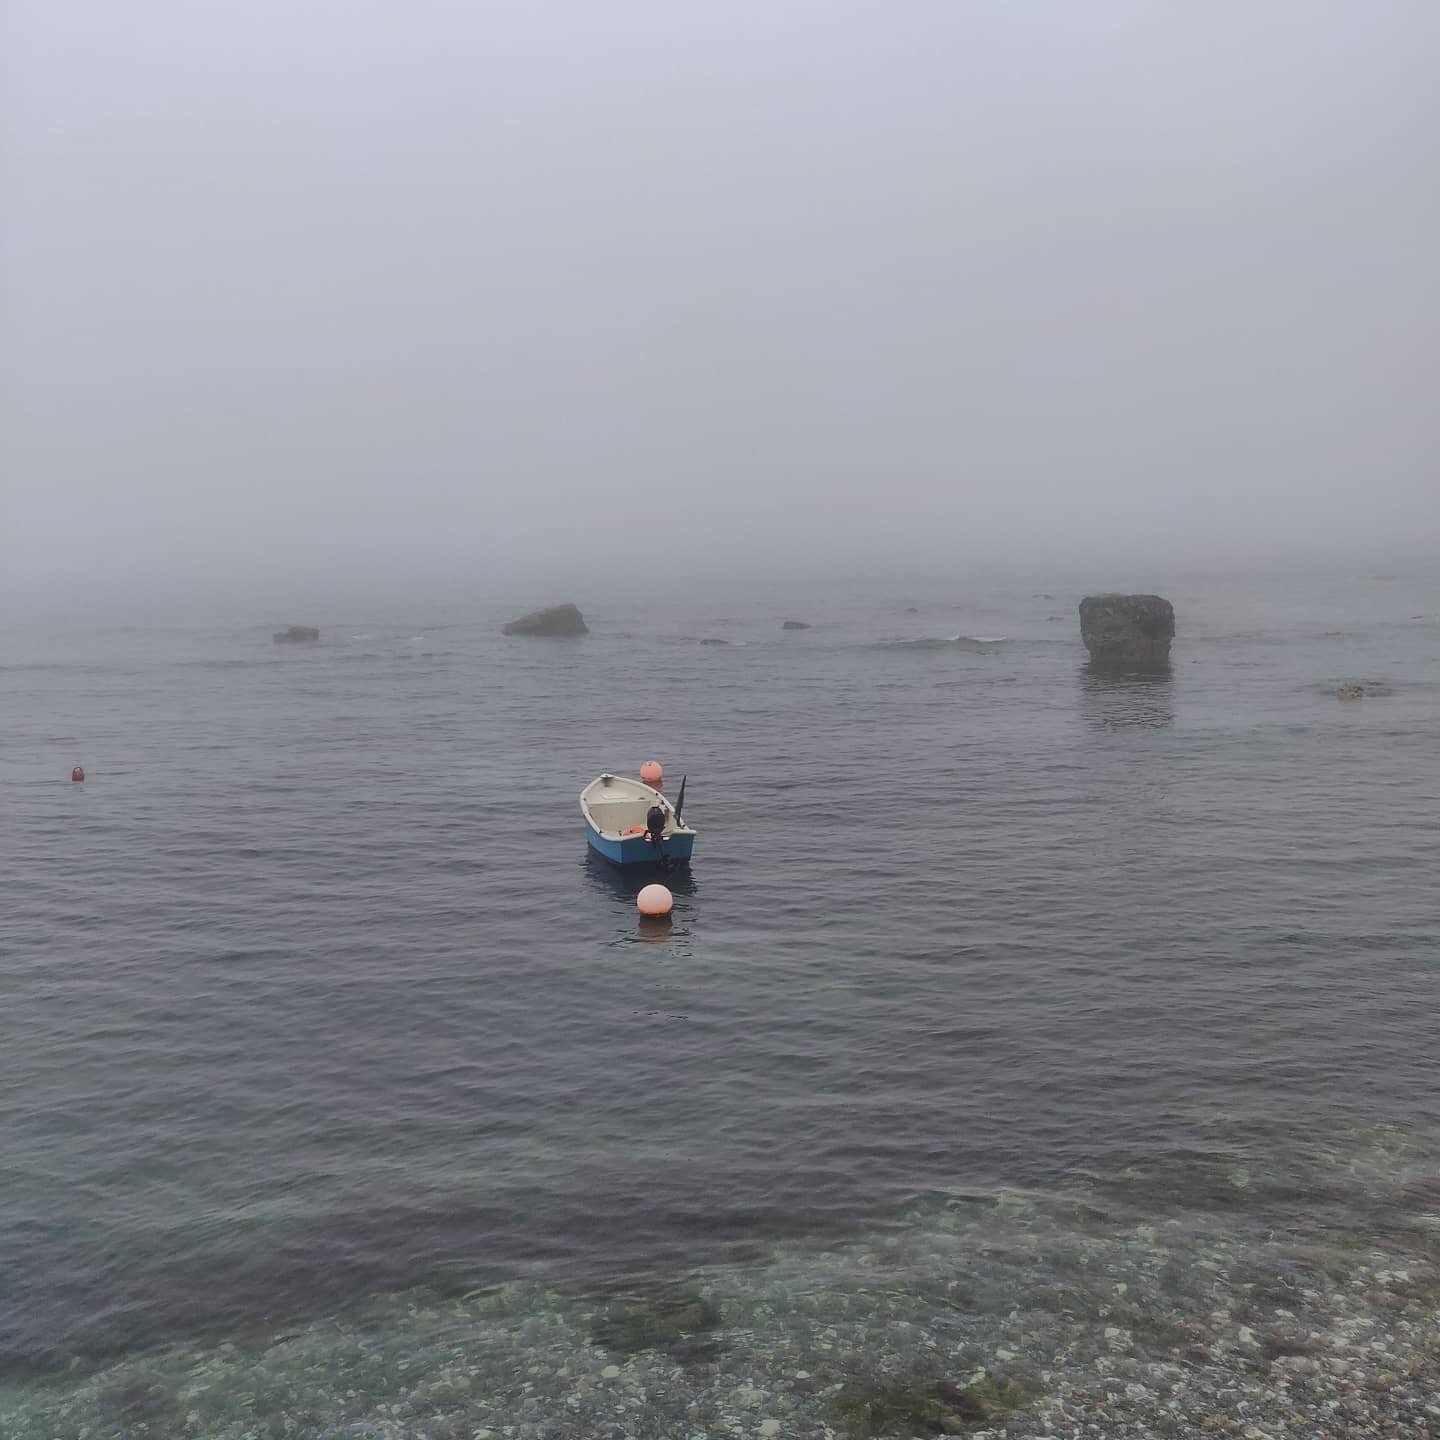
{"points": [[518, 300]]}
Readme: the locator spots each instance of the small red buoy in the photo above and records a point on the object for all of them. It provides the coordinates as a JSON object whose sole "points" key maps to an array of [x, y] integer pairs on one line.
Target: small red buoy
{"points": [[77, 773], [654, 900], [652, 773]]}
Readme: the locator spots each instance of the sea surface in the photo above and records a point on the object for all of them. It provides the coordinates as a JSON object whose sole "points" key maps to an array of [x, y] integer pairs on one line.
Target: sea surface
{"points": [[312, 997]]}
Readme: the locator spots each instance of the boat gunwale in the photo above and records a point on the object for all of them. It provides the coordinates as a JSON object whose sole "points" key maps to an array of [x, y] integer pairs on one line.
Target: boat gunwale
{"points": [[642, 792]]}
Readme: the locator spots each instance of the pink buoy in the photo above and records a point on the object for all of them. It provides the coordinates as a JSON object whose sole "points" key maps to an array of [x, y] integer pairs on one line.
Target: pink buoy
{"points": [[77, 773], [652, 773], [654, 900]]}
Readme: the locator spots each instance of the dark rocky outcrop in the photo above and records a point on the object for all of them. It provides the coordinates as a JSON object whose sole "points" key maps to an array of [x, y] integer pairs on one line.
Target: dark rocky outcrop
{"points": [[297, 635], [558, 622], [1127, 630], [714, 642], [1351, 692], [794, 625]]}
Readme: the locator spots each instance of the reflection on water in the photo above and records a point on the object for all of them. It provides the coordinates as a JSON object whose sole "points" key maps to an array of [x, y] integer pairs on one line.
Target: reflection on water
{"points": [[620, 884], [625, 882], [655, 929], [1127, 699]]}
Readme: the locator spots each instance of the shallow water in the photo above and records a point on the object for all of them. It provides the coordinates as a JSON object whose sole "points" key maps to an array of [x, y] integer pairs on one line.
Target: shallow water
{"points": [[313, 996]]}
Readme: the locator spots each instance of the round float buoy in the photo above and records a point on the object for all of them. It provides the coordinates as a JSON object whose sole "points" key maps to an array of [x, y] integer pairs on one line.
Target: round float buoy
{"points": [[654, 900], [652, 772], [77, 773]]}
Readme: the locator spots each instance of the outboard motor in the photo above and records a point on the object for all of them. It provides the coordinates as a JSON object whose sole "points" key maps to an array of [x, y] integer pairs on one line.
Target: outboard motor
{"points": [[655, 819]]}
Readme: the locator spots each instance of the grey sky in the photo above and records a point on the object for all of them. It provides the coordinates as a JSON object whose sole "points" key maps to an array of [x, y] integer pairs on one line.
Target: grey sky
{"points": [[450, 285]]}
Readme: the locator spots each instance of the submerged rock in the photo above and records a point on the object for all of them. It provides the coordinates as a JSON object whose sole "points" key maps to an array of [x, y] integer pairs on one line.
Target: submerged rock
{"points": [[1350, 692], [556, 622], [297, 634], [987, 1398], [675, 1321], [1127, 629], [907, 1407], [865, 1411], [794, 625], [714, 642]]}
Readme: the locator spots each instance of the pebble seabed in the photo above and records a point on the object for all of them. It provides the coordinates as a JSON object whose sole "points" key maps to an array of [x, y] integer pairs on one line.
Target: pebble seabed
{"points": [[1182, 1300]]}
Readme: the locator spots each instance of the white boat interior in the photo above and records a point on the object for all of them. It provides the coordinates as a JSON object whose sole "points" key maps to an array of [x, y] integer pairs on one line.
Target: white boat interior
{"points": [[615, 805]]}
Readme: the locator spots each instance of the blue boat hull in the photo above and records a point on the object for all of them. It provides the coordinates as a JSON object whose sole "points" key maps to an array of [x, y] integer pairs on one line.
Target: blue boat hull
{"points": [[637, 850]]}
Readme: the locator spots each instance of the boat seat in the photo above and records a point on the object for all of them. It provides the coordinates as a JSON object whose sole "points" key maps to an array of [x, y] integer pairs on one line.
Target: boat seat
{"points": [[619, 814]]}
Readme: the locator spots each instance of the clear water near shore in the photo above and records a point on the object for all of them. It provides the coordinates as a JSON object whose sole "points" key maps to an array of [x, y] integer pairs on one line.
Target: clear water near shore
{"points": [[1247, 1309]]}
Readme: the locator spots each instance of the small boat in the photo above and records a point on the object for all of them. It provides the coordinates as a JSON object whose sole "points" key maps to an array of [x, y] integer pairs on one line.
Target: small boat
{"points": [[617, 812]]}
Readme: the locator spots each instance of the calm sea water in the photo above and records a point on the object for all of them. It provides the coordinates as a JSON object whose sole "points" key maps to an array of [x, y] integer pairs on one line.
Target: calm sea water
{"points": [[311, 992]]}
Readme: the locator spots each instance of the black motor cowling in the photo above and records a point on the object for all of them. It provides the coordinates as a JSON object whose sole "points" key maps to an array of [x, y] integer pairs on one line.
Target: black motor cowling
{"points": [[655, 824]]}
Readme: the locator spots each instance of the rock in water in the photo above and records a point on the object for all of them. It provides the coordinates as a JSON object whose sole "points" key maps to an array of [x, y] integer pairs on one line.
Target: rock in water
{"points": [[559, 621], [794, 625], [297, 634], [1351, 692], [1127, 629]]}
